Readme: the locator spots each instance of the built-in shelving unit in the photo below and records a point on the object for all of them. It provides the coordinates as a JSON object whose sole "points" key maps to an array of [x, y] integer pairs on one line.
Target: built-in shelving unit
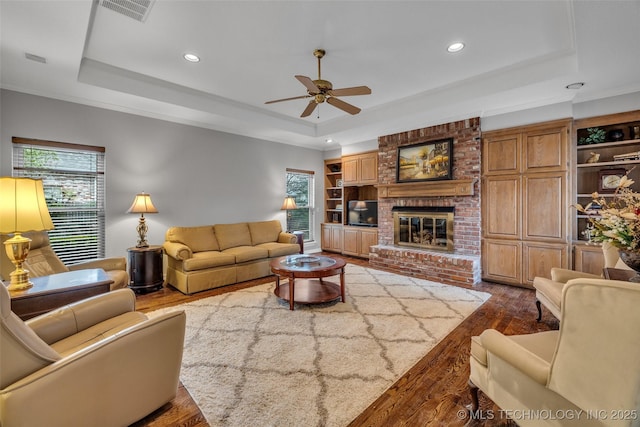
{"points": [[333, 201], [599, 165]]}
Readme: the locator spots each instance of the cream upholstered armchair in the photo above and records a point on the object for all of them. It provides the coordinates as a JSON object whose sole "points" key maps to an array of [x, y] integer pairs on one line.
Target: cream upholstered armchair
{"points": [[43, 261], [96, 362], [549, 291], [585, 374]]}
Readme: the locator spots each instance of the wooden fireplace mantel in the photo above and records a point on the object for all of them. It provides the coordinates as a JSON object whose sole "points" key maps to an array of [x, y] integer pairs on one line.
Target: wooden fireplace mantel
{"points": [[459, 187]]}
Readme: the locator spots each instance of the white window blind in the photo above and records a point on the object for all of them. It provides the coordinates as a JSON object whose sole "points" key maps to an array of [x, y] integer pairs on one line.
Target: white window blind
{"points": [[74, 184], [300, 185]]}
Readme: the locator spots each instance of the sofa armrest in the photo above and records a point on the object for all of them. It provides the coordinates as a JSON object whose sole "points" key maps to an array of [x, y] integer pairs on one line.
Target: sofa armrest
{"points": [[73, 318], [107, 264], [563, 275], [284, 237], [516, 355], [101, 377], [177, 250]]}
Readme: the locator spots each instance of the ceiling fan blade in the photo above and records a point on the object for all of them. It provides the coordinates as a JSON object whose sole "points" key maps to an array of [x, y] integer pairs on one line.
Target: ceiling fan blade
{"points": [[350, 91], [308, 83], [310, 107], [351, 109], [287, 99]]}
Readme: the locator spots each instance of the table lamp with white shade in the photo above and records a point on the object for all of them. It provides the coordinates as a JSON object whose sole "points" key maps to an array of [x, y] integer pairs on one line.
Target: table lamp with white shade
{"points": [[22, 208], [142, 204]]}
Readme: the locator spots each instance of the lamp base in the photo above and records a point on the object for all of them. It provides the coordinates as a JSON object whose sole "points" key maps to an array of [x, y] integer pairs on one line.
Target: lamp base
{"points": [[17, 249]]}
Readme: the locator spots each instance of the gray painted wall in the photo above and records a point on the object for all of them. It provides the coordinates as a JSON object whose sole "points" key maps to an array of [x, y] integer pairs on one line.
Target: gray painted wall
{"points": [[195, 176]]}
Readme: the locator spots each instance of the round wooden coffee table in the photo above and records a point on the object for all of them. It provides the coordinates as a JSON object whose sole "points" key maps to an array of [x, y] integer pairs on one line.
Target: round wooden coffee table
{"points": [[305, 275]]}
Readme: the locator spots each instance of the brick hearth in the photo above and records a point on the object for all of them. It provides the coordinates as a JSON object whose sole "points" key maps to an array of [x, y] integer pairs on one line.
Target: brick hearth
{"points": [[463, 265]]}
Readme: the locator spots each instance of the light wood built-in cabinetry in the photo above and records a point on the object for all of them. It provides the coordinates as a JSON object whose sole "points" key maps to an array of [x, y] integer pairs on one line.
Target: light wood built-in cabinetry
{"points": [[525, 202], [350, 178], [360, 169], [606, 147]]}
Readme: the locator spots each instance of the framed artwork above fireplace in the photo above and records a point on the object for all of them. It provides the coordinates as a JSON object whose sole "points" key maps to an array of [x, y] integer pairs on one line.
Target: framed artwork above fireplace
{"points": [[425, 161]]}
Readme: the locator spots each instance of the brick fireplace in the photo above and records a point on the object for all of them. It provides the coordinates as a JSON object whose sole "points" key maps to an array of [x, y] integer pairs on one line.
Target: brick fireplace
{"points": [[461, 263]]}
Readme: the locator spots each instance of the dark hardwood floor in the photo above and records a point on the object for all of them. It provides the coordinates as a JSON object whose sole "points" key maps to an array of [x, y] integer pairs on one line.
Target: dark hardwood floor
{"points": [[433, 393]]}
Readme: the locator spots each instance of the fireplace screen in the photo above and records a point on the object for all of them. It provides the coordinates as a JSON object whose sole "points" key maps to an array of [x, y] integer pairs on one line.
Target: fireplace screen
{"points": [[427, 230]]}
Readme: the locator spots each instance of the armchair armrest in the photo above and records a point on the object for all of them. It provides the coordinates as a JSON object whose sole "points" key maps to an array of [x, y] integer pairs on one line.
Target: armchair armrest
{"points": [[284, 237], [563, 275], [515, 354], [107, 264], [177, 250], [88, 379], [73, 318]]}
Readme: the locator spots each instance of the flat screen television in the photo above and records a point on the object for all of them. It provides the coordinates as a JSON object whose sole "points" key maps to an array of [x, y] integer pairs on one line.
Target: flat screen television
{"points": [[363, 213]]}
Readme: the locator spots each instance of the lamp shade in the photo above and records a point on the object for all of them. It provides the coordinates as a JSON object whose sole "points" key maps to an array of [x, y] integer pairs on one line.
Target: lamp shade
{"points": [[22, 206], [361, 205], [142, 204], [289, 203]]}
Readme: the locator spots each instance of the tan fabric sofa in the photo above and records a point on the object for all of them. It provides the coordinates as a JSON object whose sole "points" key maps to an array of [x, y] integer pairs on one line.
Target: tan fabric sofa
{"points": [[210, 256]]}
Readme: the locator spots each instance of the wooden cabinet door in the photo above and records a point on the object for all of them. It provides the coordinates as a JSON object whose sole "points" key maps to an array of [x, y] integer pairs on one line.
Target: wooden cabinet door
{"points": [[540, 258], [336, 238], [351, 242], [368, 165], [546, 148], [350, 170], [368, 238], [588, 259], [325, 237], [545, 206], [501, 206], [502, 261], [501, 153]]}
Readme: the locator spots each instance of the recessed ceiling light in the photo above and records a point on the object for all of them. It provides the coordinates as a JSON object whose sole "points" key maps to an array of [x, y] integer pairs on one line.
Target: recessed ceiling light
{"points": [[329, 141], [575, 86], [455, 47], [191, 57]]}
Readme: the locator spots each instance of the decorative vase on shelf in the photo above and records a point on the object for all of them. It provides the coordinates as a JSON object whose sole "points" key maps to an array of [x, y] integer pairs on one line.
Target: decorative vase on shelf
{"points": [[632, 260]]}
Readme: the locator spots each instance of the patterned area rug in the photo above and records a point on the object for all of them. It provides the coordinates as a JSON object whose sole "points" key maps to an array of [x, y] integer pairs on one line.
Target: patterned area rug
{"points": [[249, 360]]}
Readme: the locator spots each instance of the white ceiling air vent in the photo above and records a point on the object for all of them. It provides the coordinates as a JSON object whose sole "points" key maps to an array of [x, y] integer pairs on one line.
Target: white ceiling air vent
{"points": [[136, 9]]}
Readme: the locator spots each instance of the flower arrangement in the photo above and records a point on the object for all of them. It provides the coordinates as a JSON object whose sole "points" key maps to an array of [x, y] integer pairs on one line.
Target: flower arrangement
{"points": [[616, 221]]}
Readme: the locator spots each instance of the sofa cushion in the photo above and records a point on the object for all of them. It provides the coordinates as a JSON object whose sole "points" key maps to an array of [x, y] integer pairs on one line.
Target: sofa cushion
{"points": [[199, 239], [208, 259], [247, 253], [264, 231], [280, 249], [233, 235]]}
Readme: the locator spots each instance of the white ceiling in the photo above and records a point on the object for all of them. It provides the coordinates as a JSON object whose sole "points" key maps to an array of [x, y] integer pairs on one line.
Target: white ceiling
{"points": [[518, 55]]}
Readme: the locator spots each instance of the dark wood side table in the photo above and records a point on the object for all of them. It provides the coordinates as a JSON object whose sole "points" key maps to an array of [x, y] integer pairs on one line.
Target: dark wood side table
{"points": [[300, 239], [145, 268], [57, 290]]}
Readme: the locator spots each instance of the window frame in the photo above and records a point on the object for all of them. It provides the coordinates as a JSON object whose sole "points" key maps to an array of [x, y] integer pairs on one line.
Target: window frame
{"points": [[309, 206], [79, 225]]}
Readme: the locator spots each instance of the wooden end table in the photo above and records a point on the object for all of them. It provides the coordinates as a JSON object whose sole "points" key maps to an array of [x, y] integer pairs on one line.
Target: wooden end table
{"points": [[305, 275], [58, 290]]}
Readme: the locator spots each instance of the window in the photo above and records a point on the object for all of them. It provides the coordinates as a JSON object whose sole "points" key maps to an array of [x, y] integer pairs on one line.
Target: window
{"points": [[74, 186], [300, 187]]}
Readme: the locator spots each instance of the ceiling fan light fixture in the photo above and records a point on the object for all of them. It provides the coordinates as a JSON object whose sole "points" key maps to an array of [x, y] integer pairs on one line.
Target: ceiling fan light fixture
{"points": [[191, 57], [455, 47]]}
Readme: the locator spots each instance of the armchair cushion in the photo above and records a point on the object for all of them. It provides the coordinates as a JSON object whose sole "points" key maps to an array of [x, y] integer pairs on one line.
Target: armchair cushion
{"points": [[22, 351]]}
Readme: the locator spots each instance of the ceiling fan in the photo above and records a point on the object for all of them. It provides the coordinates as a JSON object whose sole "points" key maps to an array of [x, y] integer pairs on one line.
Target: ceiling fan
{"points": [[322, 90]]}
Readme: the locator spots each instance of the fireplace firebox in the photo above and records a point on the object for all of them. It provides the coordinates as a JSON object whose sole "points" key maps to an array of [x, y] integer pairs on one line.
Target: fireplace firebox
{"points": [[423, 227]]}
